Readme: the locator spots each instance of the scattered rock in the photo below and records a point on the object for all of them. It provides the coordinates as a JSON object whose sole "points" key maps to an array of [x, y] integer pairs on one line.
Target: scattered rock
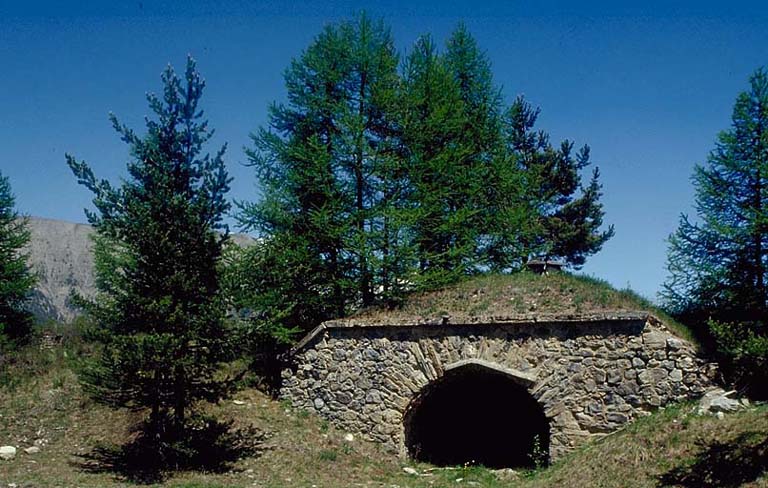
{"points": [[505, 474], [717, 401], [724, 404], [675, 344], [349, 437], [7, 452], [410, 470], [617, 418], [32, 450], [745, 402], [238, 402]]}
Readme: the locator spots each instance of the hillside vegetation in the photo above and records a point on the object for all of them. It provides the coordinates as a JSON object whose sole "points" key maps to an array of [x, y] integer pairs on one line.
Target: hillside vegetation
{"points": [[520, 295], [42, 404]]}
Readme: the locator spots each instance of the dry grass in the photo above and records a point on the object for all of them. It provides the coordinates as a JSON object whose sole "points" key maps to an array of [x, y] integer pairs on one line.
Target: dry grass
{"points": [[519, 294], [674, 446], [301, 450]]}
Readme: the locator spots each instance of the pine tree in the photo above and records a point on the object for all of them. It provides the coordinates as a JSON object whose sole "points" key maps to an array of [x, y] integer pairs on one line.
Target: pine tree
{"points": [[440, 168], [717, 263], [16, 279], [493, 185], [568, 215], [160, 314], [326, 165]]}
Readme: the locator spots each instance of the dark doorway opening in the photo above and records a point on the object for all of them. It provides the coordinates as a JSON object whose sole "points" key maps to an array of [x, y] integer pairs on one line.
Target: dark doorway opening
{"points": [[476, 415]]}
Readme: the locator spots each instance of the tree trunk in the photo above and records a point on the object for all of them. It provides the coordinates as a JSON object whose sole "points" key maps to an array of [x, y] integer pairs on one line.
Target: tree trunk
{"points": [[366, 291]]}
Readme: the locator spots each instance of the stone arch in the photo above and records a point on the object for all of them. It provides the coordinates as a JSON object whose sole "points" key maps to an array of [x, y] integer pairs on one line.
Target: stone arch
{"points": [[593, 373], [477, 412], [525, 379]]}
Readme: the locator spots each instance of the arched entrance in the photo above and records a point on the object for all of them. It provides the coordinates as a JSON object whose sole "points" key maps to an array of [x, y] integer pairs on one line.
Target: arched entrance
{"points": [[477, 415]]}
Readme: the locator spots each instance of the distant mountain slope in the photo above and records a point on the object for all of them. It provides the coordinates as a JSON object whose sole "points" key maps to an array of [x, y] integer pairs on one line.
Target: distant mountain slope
{"points": [[61, 255]]}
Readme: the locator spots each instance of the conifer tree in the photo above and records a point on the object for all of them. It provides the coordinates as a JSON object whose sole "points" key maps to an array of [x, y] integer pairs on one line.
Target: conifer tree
{"points": [[159, 314], [717, 263], [493, 184], [377, 182], [16, 279], [441, 170], [479, 139], [326, 165], [568, 215]]}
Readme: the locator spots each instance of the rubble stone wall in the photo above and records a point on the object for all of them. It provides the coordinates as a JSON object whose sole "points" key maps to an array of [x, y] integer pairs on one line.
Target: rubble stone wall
{"points": [[590, 378]]}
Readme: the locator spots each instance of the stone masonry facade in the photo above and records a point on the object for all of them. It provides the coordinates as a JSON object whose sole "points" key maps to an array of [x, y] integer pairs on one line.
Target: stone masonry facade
{"points": [[591, 375]]}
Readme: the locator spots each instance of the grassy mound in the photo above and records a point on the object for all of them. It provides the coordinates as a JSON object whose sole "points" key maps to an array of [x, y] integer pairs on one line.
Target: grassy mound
{"points": [[517, 295]]}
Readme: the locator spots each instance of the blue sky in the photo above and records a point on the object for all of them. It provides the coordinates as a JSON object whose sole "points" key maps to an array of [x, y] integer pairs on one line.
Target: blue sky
{"points": [[647, 86]]}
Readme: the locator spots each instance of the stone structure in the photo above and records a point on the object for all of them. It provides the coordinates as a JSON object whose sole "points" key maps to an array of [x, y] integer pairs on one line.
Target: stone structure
{"points": [[589, 375]]}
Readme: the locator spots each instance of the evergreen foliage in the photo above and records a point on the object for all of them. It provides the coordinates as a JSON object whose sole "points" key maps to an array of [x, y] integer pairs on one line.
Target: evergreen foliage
{"points": [[568, 215], [329, 174], [490, 188], [717, 263], [16, 280], [160, 314], [440, 168], [381, 177]]}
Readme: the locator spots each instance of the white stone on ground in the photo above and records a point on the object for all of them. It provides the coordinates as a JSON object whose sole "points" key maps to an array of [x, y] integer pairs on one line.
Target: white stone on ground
{"points": [[717, 401], [7, 452]]}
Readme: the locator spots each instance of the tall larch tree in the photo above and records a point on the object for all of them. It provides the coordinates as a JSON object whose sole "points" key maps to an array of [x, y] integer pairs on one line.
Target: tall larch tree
{"points": [[479, 137], [440, 167], [160, 314], [326, 164], [718, 261], [493, 184]]}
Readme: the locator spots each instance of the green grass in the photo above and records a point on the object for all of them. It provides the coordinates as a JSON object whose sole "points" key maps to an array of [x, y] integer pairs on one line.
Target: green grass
{"points": [[521, 294], [674, 446], [328, 455]]}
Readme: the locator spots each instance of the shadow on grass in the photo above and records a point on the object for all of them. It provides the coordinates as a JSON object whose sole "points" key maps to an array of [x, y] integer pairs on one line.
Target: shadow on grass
{"points": [[208, 446], [726, 465]]}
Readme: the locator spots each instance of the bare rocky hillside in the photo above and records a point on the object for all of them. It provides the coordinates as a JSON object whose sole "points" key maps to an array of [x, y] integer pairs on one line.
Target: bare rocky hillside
{"points": [[61, 255]]}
